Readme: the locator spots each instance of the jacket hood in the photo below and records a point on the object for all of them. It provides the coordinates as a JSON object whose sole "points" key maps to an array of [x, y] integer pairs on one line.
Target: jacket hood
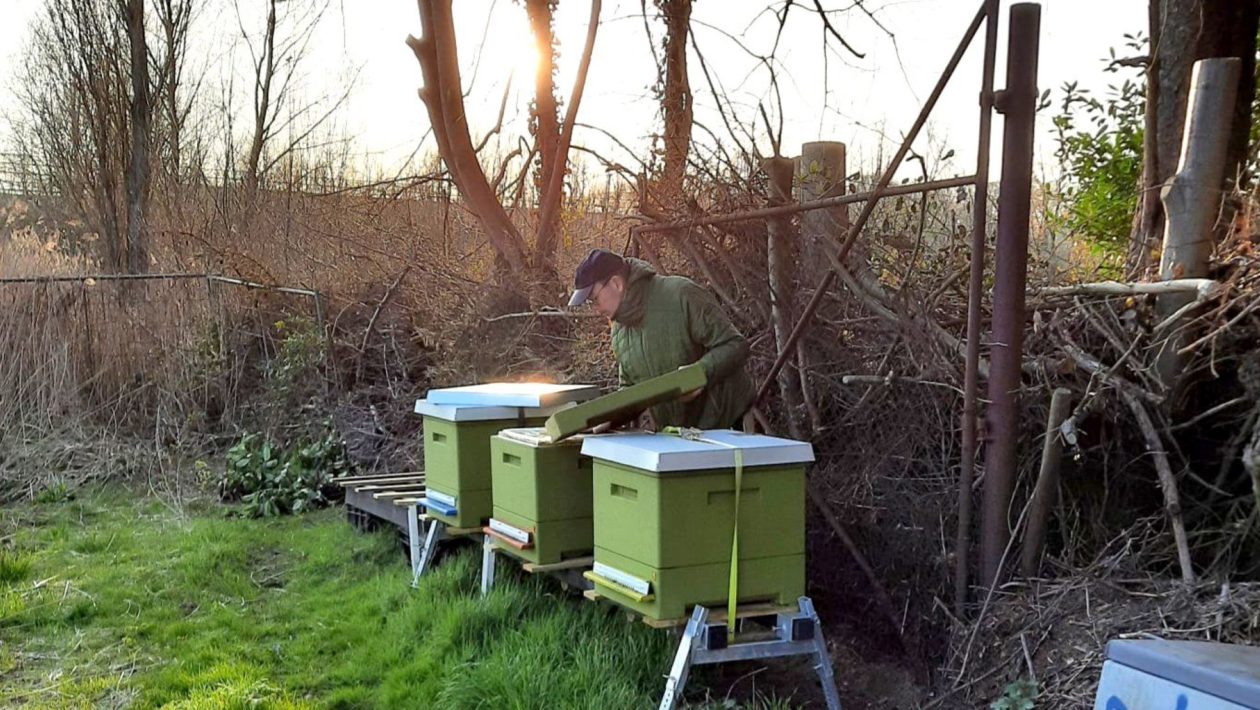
{"points": [[630, 312]]}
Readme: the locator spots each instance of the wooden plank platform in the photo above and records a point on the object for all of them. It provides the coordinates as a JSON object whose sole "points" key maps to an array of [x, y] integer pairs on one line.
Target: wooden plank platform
{"points": [[373, 477], [462, 532], [382, 485], [391, 495], [413, 488], [575, 563], [716, 616], [394, 486]]}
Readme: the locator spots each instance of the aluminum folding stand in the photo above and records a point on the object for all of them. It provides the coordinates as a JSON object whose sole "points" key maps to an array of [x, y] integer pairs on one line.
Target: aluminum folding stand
{"points": [[796, 633], [423, 543]]}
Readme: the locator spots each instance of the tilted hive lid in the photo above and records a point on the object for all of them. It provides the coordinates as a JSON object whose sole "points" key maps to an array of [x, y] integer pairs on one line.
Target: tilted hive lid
{"points": [[714, 449], [513, 394], [628, 400], [475, 413]]}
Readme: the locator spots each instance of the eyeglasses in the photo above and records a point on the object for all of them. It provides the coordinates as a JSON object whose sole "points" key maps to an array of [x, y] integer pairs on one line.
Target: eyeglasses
{"points": [[594, 294]]}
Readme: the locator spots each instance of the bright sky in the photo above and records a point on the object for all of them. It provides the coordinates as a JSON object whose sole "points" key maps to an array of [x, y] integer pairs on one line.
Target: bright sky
{"points": [[867, 102]]}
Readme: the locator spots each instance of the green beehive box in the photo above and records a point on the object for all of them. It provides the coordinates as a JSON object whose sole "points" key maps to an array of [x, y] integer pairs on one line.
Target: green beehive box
{"points": [[542, 497], [664, 510], [626, 401], [457, 444]]}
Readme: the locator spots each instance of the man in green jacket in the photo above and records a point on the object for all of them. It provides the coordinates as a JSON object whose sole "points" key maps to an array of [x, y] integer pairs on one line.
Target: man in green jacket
{"points": [[661, 323]]}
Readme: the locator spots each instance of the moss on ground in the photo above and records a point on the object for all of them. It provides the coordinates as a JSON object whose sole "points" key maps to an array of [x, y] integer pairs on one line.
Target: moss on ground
{"points": [[108, 600]]}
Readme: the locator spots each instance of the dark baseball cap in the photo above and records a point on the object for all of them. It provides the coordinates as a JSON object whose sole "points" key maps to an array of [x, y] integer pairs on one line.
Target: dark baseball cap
{"points": [[599, 265]]}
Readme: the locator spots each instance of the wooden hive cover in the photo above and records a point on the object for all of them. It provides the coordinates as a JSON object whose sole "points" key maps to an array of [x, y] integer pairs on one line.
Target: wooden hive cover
{"points": [[625, 401], [513, 394]]}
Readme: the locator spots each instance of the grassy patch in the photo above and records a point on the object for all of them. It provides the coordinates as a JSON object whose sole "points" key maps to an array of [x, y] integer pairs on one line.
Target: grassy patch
{"points": [[14, 566], [123, 602]]}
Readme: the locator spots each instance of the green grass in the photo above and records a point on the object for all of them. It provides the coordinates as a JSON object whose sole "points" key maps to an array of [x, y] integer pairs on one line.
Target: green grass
{"points": [[109, 601]]}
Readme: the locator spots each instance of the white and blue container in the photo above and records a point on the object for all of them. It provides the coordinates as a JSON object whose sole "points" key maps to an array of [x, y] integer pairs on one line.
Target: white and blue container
{"points": [[1179, 675]]}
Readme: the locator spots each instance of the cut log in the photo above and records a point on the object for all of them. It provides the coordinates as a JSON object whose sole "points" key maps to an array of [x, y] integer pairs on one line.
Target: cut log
{"points": [[1192, 198]]}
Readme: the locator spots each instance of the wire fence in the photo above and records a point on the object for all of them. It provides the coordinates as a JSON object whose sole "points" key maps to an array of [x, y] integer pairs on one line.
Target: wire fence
{"points": [[19, 175]]}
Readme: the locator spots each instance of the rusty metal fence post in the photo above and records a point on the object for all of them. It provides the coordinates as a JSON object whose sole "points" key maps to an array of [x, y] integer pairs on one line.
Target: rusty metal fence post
{"points": [[1018, 103], [975, 314]]}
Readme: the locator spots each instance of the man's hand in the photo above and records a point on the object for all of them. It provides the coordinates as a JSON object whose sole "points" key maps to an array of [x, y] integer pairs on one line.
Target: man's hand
{"points": [[647, 422], [690, 396]]}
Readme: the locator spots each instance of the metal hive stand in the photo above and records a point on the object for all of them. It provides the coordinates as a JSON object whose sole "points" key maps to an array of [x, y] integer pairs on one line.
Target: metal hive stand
{"points": [[797, 633], [423, 543], [569, 572]]}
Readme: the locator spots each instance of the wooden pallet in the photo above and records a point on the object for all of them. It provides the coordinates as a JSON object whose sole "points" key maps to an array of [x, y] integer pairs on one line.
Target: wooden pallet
{"points": [[744, 611]]}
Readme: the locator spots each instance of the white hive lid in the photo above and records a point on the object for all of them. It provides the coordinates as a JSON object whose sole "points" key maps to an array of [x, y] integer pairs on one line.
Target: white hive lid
{"points": [[664, 452], [481, 413], [513, 394]]}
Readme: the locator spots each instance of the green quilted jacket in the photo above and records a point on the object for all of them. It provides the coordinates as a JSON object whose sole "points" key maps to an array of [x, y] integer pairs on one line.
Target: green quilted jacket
{"points": [[666, 322]]}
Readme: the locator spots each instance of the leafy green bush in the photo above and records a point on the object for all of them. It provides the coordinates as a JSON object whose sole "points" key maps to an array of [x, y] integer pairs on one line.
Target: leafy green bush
{"points": [[300, 355], [272, 480], [1100, 151]]}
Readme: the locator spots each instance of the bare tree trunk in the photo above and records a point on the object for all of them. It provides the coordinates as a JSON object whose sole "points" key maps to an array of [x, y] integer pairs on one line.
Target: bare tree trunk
{"points": [[1233, 34], [264, 74], [1183, 32], [546, 124], [553, 196], [443, 97], [138, 171], [1192, 198], [781, 260], [175, 17], [676, 102], [1147, 223]]}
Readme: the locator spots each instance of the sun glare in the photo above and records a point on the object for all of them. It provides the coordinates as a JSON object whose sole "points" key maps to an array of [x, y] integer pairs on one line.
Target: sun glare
{"points": [[509, 50]]}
